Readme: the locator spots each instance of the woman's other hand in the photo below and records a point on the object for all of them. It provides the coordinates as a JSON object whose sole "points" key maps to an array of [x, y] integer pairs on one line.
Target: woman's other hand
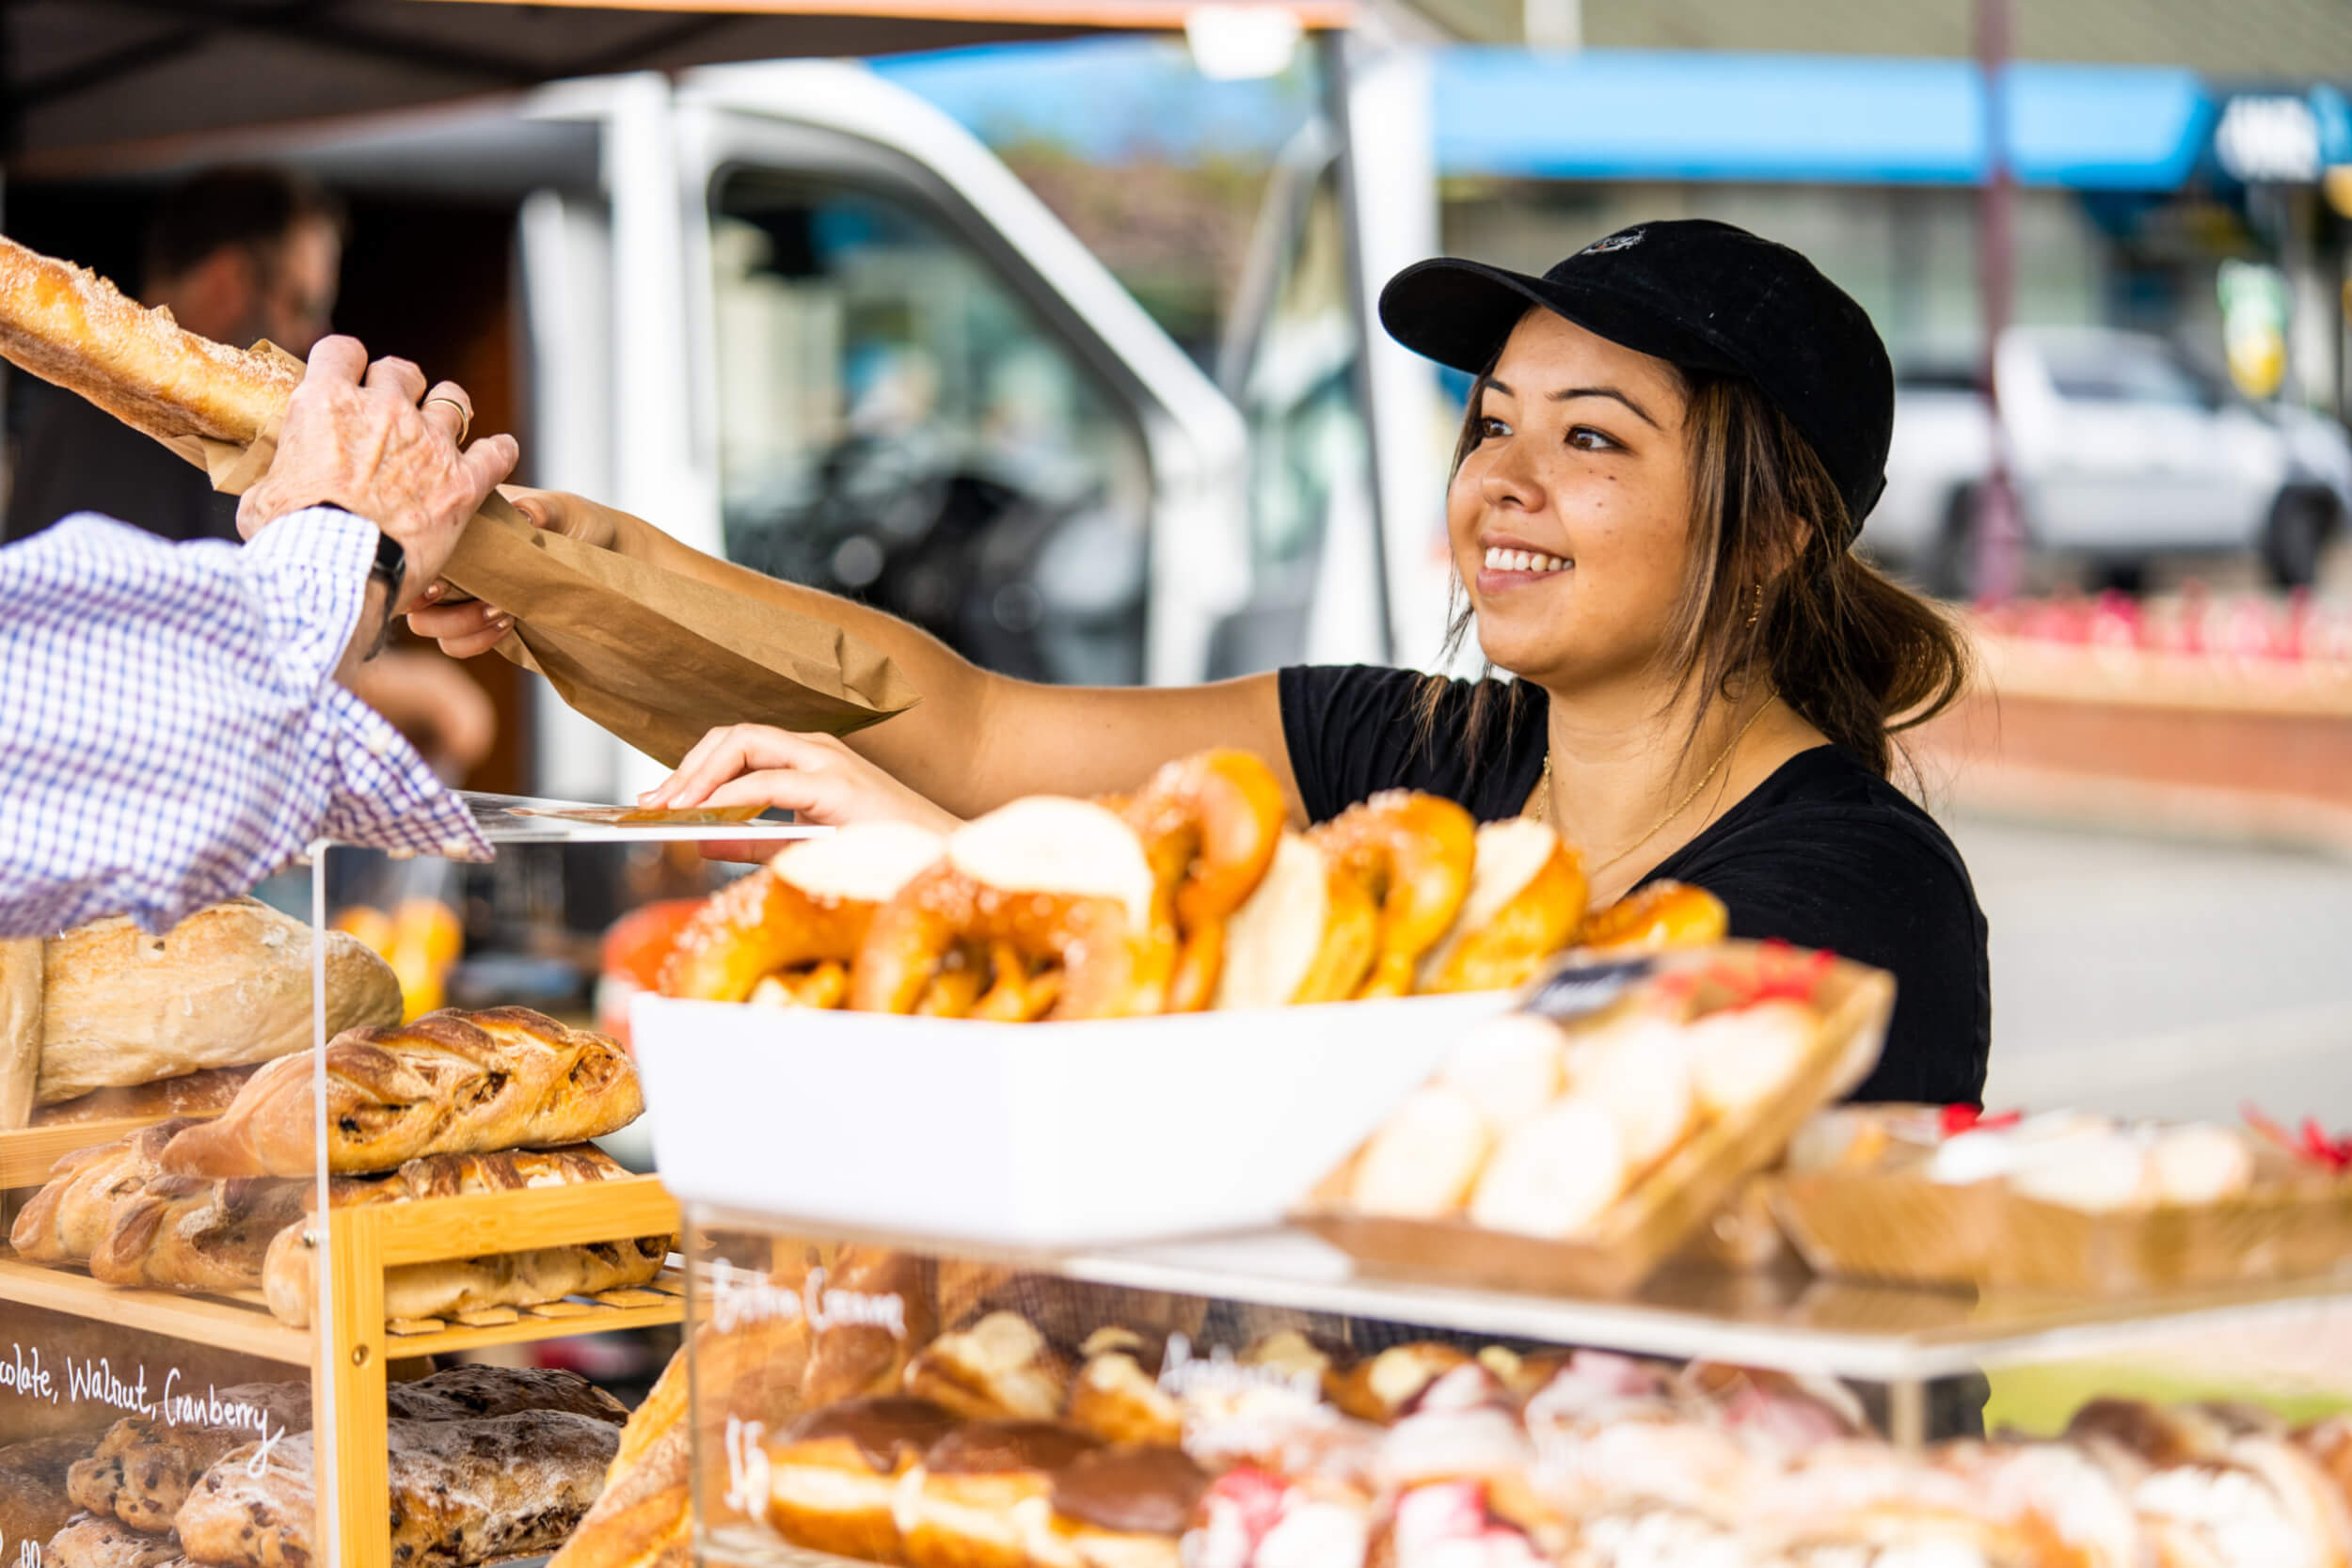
{"points": [[814, 776], [468, 627]]}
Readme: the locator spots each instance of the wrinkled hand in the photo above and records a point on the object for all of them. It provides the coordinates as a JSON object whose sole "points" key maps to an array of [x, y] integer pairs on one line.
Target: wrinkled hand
{"points": [[815, 777], [468, 626], [356, 437]]}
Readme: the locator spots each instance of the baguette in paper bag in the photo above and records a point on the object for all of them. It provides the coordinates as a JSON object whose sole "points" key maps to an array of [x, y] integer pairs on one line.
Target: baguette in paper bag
{"points": [[655, 658]]}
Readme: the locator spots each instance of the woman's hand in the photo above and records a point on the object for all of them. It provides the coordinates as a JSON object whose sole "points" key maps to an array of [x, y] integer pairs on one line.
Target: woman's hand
{"points": [[814, 776], [469, 626]]}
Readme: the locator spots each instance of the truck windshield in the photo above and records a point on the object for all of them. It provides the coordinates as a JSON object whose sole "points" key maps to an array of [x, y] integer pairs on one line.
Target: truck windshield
{"points": [[896, 424]]}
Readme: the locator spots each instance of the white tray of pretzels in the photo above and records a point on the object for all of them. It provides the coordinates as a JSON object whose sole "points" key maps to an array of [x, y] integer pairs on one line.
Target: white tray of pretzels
{"points": [[1233, 1005]]}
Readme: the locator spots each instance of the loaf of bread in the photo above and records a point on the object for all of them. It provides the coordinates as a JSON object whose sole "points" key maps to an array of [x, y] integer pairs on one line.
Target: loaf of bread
{"points": [[451, 1082], [185, 1233], [66, 1220], [94, 1542], [143, 1468], [204, 1093], [228, 987], [68, 326], [34, 1503], [20, 1029], [462, 1492], [463, 1285]]}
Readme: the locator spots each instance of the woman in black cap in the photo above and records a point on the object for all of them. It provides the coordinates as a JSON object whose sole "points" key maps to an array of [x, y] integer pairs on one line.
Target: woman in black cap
{"points": [[1671, 443]]}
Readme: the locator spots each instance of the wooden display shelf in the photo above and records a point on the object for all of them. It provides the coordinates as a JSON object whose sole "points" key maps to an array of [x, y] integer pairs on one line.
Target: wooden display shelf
{"points": [[27, 1153], [346, 1352]]}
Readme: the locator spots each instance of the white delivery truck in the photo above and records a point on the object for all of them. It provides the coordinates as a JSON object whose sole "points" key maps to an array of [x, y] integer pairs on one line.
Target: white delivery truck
{"points": [[796, 315]]}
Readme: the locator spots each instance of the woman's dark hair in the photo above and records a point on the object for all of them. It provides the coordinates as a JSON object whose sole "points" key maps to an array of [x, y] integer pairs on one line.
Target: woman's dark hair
{"points": [[1773, 589]]}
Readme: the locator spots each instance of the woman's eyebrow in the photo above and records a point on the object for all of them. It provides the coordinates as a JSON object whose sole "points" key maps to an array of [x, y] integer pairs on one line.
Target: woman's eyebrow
{"points": [[1571, 393]]}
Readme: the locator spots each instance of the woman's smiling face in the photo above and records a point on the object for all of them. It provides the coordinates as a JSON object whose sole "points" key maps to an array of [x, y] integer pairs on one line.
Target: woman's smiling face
{"points": [[1570, 517]]}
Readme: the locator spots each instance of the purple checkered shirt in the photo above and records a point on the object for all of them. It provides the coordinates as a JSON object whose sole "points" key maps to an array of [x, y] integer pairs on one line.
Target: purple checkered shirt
{"points": [[172, 731]]}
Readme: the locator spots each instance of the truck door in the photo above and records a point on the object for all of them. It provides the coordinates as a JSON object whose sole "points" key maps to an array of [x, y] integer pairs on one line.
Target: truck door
{"points": [[917, 389]]}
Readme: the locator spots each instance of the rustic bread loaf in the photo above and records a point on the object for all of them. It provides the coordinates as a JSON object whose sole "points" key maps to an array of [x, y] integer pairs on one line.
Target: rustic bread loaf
{"points": [[68, 326], [228, 987], [34, 1503], [143, 1468], [94, 1542], [462, 1492], [20, 1029], [204, 1093], [185, 1233], [451, 1082]]}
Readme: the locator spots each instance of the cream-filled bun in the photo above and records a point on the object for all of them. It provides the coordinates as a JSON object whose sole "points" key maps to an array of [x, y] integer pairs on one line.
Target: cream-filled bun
{"points": [[1555, 1174], [866, 862], [1525, 901], [1508, 1066], [1742, 1057], [1420, 1164], [1306, 934], [1639, 1074], [1052, 845]]}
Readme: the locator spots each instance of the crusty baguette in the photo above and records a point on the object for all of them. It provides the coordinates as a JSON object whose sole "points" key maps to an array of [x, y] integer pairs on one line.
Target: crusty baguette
{"points": [[204, 1093], [68, 326], [66, 1220], [143, 1468], [34, 1503], [462, 1492], [462, 1285], [89, 1542], [20, 1029], [451, 1082], [230, 985], [644, 1516]]}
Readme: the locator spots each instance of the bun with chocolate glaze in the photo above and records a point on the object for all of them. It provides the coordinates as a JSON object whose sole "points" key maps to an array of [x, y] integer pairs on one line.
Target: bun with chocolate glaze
{"points": [[1127, 1507], [983, 1497], [833, 1474]]}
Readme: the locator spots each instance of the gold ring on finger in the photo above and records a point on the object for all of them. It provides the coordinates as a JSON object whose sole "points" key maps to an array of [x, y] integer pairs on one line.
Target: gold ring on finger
{"points": [[465, 416]]}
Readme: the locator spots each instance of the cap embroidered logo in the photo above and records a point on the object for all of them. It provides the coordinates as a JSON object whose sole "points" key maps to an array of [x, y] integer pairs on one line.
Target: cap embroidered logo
{"points": [[1626, 241]]}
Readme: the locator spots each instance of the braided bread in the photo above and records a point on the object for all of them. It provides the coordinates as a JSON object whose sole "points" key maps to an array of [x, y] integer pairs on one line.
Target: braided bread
{"points": [[66, 1220], [69, 325], [451, 1082], [185, 1233]]}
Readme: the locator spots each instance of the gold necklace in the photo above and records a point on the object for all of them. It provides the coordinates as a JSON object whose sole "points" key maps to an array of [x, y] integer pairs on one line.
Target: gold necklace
{"points": [[1543, 788]]}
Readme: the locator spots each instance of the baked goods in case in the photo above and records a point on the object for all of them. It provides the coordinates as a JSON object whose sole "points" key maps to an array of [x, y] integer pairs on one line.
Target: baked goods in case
{"points": [[451, 1082], [228, 985], [463, 1493], [142, 1469], [982, 1499], [204, 1093], [68, 326], [34, 1501], [67, 1220], [799, 919], [432, 1289], [834, 1476], [88, 1542]]}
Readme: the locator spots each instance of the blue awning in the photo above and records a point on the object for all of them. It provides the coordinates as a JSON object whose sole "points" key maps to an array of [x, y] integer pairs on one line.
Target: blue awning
{"points": [[1638, 114]]}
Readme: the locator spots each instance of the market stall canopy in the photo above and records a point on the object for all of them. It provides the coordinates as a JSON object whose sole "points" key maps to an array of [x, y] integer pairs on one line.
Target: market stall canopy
{"points": [[77, 75]]}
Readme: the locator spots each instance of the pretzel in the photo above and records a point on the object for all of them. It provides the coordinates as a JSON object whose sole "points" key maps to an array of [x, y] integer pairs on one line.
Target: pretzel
{"points": [[806, 910], [1413, 854], [1050, 899], [1657, 915], [1210, 824]]}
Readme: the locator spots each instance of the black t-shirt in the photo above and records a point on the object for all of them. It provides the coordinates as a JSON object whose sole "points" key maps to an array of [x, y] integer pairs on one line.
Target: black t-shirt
{"points": [[1824, 853], [73, 456]]}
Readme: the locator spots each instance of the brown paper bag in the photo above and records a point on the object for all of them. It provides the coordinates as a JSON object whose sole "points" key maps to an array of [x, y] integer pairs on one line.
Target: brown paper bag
{"points": [[657, 657]]}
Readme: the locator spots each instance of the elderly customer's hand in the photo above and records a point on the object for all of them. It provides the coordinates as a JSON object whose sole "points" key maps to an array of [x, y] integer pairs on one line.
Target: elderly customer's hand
{"points": [[362, 442]]}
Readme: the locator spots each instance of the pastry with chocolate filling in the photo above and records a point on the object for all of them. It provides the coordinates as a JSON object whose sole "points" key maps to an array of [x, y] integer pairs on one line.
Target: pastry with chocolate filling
{"points": [[1000, 1369], [983, 1497], [1127, 1507], [833, 1474]]}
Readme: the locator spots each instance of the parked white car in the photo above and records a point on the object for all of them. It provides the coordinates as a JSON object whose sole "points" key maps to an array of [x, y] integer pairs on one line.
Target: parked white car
{"points": [[2121, 451]]}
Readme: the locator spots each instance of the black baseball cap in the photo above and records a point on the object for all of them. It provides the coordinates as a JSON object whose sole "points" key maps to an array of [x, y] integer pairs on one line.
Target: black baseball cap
{"points": [[1697, 293]]}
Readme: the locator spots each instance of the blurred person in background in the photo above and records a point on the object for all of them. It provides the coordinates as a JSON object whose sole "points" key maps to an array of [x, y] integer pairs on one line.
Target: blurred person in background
{"points": [[236, 255]]}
